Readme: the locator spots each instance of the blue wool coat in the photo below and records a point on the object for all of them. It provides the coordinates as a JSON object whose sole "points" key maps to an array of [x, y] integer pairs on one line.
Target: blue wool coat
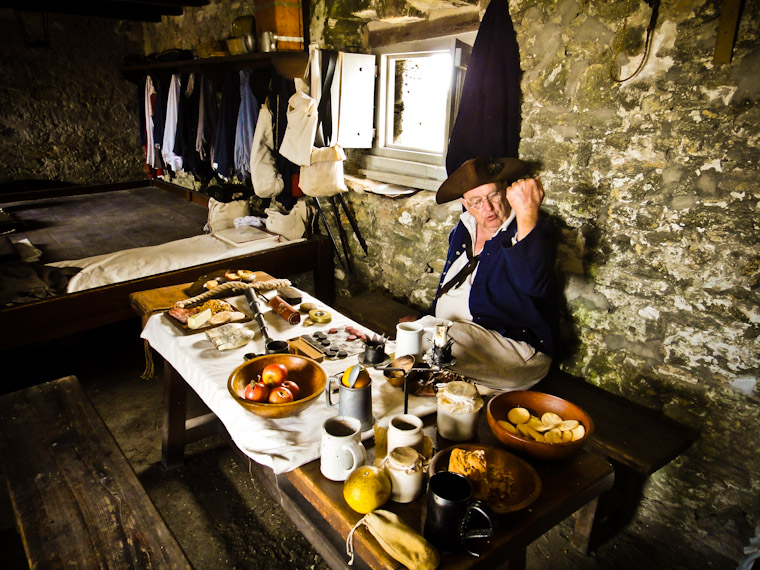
{"points": [[513, 290]]}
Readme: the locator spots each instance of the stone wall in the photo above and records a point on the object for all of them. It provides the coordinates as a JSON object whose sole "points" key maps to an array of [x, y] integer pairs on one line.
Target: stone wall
{"points": [[653, 184], [68, 114], [653, 187]]}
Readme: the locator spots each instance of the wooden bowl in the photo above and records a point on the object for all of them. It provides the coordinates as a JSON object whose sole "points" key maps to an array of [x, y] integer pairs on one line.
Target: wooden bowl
{"points": [[537, 403], [307, 373], [526, 484]]}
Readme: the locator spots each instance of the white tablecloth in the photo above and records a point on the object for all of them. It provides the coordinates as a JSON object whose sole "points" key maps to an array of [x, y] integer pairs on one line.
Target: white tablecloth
{"points": [[282, 444]]}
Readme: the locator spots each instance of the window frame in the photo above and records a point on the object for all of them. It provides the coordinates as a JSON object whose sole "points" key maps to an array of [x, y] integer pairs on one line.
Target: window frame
{"points": [[388, 163]]}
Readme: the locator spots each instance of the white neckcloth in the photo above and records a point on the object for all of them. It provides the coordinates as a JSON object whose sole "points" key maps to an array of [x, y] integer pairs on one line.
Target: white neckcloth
{"points": [[281, 444]]}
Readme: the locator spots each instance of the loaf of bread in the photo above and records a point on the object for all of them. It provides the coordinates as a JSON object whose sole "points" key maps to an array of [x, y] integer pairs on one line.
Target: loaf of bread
{"points": [[472, 464], [490, 482]]}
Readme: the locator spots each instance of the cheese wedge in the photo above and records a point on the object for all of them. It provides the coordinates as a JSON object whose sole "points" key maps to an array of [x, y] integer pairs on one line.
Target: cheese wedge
{"points": [[197, 320]]}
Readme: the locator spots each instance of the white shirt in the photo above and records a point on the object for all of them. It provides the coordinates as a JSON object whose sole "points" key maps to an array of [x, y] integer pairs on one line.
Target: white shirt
{"points": [[454, 305]]}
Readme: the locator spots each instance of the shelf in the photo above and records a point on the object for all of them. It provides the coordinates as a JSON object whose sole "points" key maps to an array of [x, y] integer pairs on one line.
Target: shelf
{"points": [[287, 63]]}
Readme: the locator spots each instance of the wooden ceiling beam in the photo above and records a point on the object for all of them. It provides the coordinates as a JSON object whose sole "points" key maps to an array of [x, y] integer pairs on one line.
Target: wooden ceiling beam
{"points": [[136, 10]]}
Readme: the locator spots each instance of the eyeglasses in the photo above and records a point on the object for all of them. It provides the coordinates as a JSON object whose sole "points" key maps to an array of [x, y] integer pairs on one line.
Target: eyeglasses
{"points": [[494, 197]]}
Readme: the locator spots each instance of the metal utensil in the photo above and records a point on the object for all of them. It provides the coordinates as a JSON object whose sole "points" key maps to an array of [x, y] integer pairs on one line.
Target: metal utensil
{"points": [[271, 346]]}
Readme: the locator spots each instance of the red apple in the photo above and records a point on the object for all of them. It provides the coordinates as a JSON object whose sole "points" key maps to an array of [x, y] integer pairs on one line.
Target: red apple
{"points": [[293, 387], [274, 374], [258, 392], [280, 395]]}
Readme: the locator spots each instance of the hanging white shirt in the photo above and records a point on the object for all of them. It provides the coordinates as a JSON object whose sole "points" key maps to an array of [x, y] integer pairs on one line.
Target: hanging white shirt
{"points": [[150, 148], [170, 127]]}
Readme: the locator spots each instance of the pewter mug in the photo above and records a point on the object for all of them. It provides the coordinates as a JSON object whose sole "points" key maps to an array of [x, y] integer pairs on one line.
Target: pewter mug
{"points": [[352, 402], [450, 510]]}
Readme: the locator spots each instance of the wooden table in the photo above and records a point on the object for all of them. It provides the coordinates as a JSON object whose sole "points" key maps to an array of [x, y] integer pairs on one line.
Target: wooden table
{"points": [[317, 507]]}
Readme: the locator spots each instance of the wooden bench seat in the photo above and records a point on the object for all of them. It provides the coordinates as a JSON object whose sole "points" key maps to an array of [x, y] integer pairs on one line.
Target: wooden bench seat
{"points": [[636, 440], [76, 500]]}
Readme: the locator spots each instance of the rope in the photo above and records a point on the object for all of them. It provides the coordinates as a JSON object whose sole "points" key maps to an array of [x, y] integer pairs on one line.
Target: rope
{"points": [[350, 542], [233, 287], [647, 42]]}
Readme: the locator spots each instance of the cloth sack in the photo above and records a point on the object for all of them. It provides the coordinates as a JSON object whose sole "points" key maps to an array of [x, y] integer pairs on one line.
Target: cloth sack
{"points": [[398, 539], [290, 225], [324, 176], [266, 179], [221, 215], [300, 130]]}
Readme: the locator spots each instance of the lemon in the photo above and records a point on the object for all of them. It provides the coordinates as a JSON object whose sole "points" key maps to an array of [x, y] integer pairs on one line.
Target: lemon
{"points": [[367, 488], [362, 378]]}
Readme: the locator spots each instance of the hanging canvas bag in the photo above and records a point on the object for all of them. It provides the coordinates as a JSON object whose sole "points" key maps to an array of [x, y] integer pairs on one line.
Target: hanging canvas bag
{"points": [[324, 176], [302, 117], [266, 179]]}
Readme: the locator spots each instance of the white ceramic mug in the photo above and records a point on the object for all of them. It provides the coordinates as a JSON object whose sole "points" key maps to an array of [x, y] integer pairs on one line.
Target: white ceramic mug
{"points": [[409, 340], [405, 430], [341, 450]]}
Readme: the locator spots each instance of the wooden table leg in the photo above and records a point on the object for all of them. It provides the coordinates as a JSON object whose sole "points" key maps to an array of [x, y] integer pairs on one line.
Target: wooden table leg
{"points": [[517, 560], [584, 524], [175, 412]]}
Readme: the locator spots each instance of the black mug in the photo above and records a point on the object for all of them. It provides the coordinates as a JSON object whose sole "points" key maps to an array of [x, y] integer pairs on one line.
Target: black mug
{"points": [[450, 510]]}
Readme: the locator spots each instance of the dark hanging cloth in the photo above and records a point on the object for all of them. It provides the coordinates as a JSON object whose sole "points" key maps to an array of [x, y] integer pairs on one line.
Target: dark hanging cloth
{"points": [[224, 150], [159, 111], [488, 121], [140, 95], [282, 90], [187, 123], [207, 131]]}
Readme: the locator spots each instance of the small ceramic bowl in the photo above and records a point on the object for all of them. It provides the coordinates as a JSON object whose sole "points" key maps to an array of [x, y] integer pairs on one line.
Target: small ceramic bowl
{"points": [[537, 403], [395, 371], [307, 373]]}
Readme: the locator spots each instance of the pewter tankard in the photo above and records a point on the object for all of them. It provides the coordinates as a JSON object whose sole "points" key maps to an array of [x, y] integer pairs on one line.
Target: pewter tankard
{"points": [[352, 402]]}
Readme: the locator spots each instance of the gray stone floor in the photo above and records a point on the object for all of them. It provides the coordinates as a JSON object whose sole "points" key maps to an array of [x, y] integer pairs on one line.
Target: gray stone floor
{"points": [[222, 516]]}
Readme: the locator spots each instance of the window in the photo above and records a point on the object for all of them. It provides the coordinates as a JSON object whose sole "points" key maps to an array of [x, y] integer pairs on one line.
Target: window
{"points": [[418, 89]]}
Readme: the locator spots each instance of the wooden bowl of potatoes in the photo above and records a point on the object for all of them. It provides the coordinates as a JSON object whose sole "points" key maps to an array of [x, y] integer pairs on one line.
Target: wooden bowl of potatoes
{"points": [[539, 425]]}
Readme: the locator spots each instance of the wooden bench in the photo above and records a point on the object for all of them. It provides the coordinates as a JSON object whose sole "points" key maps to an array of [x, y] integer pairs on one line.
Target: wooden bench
{"points": [[636, 440], [76, 500]]}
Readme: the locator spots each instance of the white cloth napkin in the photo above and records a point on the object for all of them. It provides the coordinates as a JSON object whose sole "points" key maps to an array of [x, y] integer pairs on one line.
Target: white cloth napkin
{"points": [[281, 444]]}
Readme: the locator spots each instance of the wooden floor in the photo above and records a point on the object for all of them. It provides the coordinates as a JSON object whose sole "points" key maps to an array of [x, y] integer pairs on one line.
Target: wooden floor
{"points": [[73, 227]]}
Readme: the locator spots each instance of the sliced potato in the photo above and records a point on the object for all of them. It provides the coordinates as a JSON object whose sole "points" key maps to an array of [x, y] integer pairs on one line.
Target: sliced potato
{"points": [[551, 419], [518, 415], [568, 425], [554, 435], [536, 435], [524, 429], [507, 426], [567, 436], [578, 433]]}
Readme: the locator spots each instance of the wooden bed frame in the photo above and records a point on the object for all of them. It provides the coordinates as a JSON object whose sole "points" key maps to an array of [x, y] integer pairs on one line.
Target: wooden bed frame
{"points": [[55, 317]]}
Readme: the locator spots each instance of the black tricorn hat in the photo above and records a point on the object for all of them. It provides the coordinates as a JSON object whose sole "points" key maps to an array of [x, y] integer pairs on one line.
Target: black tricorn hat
{"points": [[481, 170]]}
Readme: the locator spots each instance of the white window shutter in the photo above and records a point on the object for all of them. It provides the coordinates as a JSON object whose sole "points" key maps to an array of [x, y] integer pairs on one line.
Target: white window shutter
{"points": [[354, 101]]}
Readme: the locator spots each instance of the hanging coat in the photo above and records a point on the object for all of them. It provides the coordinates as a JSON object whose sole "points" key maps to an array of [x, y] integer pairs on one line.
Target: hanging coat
{"points": [[248, 114], [488, 121], [224, 151]]}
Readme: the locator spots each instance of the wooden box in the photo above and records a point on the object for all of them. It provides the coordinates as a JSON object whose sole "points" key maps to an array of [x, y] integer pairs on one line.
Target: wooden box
{"points": [[284, 18]]}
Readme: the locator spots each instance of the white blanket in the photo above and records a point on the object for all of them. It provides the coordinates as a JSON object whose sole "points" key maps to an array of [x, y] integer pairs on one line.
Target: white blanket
{"points": [[142, 262], [281, 444]]}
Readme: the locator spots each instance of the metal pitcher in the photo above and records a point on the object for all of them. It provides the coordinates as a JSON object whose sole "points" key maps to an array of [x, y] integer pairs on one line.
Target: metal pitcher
{"points": [[352, 402]]}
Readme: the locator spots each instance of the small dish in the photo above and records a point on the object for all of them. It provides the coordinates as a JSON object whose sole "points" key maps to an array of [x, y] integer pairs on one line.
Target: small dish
{"points": [[525, 483]]}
